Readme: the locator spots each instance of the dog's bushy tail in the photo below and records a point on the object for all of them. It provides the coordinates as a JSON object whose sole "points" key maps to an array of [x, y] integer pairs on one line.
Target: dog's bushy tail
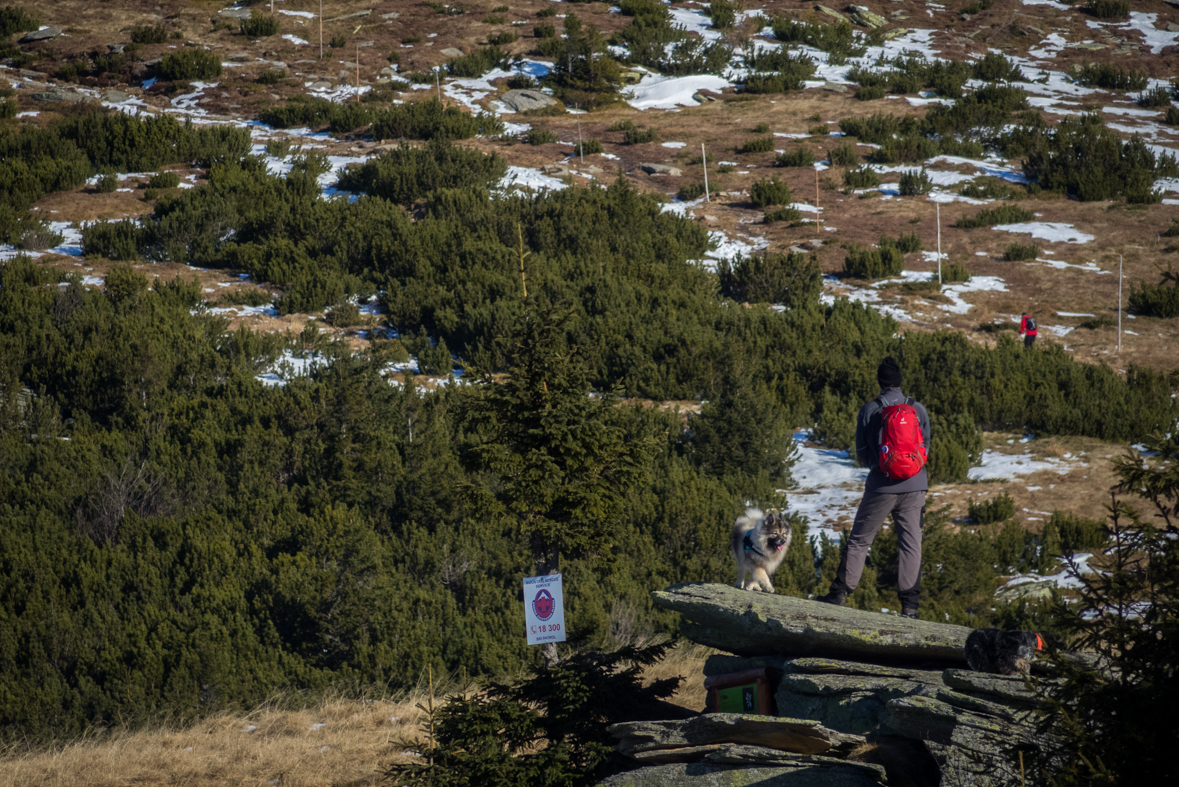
{"points": [[747, 521]]}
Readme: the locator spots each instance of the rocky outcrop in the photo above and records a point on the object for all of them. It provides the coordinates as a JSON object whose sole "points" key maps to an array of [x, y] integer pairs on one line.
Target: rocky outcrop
{"points": [[863, 699], [763, 624], [738, 766], [525, 100], [863, 16], [797, 736]]}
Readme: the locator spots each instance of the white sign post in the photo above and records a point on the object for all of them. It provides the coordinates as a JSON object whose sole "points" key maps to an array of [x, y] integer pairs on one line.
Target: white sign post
{"points": [[544, 609]]}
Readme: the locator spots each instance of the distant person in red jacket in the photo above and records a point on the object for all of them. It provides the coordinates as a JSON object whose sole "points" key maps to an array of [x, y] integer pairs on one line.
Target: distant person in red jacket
{"points": [[1027, 329]]}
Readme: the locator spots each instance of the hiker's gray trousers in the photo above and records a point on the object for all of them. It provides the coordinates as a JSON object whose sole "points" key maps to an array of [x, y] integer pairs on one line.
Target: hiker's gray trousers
{"points": [[874, 509]]}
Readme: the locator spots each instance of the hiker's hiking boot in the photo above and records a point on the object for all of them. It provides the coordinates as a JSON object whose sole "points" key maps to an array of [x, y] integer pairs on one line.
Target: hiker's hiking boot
{"points": [[836, 597], [909, 612]]}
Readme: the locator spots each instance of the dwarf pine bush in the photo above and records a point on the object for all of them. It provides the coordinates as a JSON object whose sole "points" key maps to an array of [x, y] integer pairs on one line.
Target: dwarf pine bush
{"points": [[1156, 300], [1111, 77], [259, 26], [862, 178], [796, 157], [989, 217], [149, 34], [1021, 252], [432, 120], [915, 182], [770, 192], [843, 155], [866, 263], [757, 145], [405, 174], [188, 64]]}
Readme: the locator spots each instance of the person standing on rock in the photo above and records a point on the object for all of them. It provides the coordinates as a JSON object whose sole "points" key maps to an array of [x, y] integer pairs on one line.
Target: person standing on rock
{"points": [[892, 440]]}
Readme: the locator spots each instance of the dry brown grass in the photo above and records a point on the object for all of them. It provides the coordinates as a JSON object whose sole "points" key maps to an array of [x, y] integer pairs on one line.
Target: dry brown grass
{"points": [[338, 742]]}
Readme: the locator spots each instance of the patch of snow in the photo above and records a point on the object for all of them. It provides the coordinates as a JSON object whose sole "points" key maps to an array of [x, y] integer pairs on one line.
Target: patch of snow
{"points": [[294, 39], [996, 466], [1051, 231], [659, 92], [529, 178], [828, 485]]}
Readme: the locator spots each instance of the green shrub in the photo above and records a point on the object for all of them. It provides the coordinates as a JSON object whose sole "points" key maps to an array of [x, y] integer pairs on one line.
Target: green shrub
{"points": [[793, 280], [539, 136], [1173, 230], [861, 178], [272, 77], [987, 188], [839, 41], [723, 14], [989, 217], [164, 180], [761, 128], [338, 41], [914, 182], [189, 64], [477, 63], [1109, 9], [869, 92], [1171, 118], [409, 40], [544, 31], [866, 263], [997, 509], [405, 174], [977, 7], [788, 215], [777, 70], [955, 272], [33, 234], [431, 120], [446, 10], [521, 82], [350, 116], [106, 184], [114, 240], [640, 136], [1021, 252], [770, 192], [1111, 77], [15, 19], [588, 147], [1155, 98], [690, 191], [797, 157], [149, 34], [299, 111], [622, 125], [875, 129], [1084, 159], [547, 12], [993, 67], [343, 315], [259, 26], [757, 145], [905, 244], [502, 38], [151, 195], [1156, 300], [8, 109], [495, 19], [843, 155]]}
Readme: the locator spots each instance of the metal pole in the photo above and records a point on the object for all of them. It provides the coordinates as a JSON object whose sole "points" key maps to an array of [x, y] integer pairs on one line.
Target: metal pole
{"points": [[321, 29], [580, 146], [1119, 303], [939, 242], [358, 71], [704, 158], [438, 84], [818, 211]]}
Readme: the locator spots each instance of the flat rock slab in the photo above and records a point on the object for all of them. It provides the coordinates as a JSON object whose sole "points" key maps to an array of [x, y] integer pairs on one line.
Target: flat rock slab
{"points": [[525, 100], [800, 736], [44, 34], [805, 772], [236, 13], [762, 624], [116, 96], [60, 96], [356, 15], [661, 169]]}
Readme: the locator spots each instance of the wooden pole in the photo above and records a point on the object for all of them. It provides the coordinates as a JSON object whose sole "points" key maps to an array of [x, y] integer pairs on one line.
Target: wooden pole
{"points": [[939, 242], [321, 29], [580, 146], [1119, 303], [438, 84], [704, 158], [358, 71]]}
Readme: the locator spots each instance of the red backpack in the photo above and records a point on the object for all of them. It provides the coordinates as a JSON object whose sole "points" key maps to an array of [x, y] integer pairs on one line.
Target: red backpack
{"points": [[902, 446]]}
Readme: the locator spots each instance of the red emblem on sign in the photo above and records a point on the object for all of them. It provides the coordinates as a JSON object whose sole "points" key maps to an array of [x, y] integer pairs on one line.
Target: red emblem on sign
{"points": [[543, 605]]}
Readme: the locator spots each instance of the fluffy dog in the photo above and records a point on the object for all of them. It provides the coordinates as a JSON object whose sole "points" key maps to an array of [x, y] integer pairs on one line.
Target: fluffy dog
{"points": [[1005, 652], [759, 544]]}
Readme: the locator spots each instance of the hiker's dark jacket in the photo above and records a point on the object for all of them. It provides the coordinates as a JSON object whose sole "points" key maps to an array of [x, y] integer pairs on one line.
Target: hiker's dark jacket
{"points": [[868, 426]]}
